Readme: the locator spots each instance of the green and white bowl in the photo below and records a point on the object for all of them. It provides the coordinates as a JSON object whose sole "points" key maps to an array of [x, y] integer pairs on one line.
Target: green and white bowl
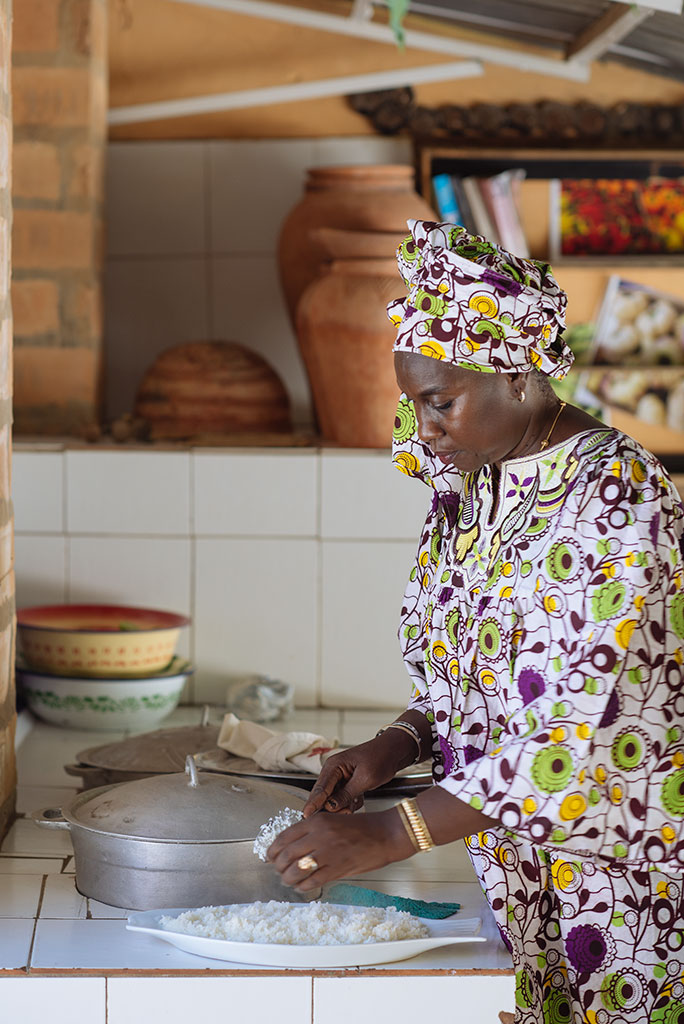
{"points": [[107, 705]]}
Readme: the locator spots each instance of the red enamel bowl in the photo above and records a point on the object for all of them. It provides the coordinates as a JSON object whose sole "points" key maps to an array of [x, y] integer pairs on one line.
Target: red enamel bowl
{"points": [[105, 640]]}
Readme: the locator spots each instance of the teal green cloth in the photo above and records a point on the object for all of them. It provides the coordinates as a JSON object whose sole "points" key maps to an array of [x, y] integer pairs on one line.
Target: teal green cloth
{"points": [[357, 896]]}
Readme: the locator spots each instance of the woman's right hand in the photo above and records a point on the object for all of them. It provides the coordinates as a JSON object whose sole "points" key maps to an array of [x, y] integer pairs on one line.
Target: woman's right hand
{"points": [[346, 776]]}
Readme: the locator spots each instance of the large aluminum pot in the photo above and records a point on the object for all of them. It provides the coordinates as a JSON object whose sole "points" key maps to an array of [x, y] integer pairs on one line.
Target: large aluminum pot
{"points": [[182, 840]]}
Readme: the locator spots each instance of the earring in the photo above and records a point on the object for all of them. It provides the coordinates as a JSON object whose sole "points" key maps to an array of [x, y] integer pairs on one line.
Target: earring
{"points": [[521, 396]]}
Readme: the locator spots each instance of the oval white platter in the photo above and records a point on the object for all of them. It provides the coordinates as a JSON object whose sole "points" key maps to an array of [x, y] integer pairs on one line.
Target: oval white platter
{"points": [[448, 931]]}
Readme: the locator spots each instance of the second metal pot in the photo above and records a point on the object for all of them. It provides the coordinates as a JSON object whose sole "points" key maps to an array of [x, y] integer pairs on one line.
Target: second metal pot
{"points": [[161, 752]]}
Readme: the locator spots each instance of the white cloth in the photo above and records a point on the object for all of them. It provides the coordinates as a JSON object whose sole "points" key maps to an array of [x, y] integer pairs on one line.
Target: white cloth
{"points": [[275, 751]]}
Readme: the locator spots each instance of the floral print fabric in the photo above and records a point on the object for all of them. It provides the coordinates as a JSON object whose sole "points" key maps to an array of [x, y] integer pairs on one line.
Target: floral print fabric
{"points": [[589, 944], [545, 638], [474, 304]]}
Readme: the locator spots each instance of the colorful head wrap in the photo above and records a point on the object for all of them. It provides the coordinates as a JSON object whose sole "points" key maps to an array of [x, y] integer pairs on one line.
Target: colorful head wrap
{"points": [[476, 305]]}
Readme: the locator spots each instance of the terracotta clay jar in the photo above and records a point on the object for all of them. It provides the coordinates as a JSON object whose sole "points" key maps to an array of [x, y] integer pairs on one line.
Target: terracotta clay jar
{"points": [[346, 338], [211, 389], [372, 197]]}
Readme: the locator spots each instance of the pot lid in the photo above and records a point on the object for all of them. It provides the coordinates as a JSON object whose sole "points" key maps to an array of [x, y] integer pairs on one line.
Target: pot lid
{"points": [[159, 752], [187, 807]]}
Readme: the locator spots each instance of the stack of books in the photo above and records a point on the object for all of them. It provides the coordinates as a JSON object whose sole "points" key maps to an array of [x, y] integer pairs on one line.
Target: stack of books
{"points": [[484, 206]]}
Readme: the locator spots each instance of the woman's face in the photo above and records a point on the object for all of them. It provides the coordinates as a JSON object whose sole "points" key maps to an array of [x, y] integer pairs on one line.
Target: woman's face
{"points": [[468, 418]]}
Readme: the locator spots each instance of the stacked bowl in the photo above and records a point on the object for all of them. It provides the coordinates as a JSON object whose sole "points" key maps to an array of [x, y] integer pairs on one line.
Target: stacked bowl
{"points": [[100, 667]]}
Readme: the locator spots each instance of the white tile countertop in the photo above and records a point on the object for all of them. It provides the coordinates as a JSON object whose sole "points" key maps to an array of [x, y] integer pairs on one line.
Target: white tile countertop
{"points": [[76, 953]]}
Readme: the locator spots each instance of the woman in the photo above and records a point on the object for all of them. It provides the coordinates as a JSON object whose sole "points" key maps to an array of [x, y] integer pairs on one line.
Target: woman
{"points": [[543, 627]]}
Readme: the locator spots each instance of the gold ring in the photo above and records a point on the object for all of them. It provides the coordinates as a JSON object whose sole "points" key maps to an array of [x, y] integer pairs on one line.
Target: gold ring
{"points": [[307, 863]]}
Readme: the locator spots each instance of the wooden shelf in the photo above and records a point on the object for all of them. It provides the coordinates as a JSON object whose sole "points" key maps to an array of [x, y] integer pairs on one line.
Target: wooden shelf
{"points": [[584, 278], [642, 162], [676, 259]]}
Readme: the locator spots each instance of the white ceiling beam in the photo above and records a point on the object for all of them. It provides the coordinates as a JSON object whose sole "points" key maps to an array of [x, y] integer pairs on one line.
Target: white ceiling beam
{"points": [[519, 60], [362, 10], [604, 33], [668, 6], [165, 109]]}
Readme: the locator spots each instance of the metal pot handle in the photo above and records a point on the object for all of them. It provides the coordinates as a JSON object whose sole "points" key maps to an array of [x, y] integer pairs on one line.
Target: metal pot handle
{"points": [[50, 817], [191, 770]]}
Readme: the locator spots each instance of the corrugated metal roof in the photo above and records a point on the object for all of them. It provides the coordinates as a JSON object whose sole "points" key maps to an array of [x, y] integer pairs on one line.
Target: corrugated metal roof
{"points": [[656, 45], [659, 38]]}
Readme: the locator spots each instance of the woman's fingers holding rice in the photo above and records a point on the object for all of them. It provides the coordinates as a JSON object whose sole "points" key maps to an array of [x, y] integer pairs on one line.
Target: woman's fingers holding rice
{"points": [[304, 872], [310, 872], [315, 880], [341, 845], [285, 840], [296, 861], [292, 854]]}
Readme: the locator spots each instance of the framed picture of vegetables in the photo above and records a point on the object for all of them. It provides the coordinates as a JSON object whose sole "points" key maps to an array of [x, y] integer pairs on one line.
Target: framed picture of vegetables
{"points": [[632, 372], [638, 326], [617, 217]]}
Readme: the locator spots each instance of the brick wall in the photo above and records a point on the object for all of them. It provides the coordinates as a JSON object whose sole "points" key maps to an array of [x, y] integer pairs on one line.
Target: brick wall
{"points": [[7, 701], [59, 90]]}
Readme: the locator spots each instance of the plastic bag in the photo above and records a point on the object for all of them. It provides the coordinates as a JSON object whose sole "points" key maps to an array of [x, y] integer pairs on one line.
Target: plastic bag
{"points": [[260, 698]]}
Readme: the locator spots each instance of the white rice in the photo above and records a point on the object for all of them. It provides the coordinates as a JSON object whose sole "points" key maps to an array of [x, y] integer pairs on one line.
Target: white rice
{"points": [[267, 833], [291, 924]]}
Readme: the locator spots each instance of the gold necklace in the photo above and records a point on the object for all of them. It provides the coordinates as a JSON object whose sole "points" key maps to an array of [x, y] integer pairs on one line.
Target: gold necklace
{"points": [[545, 442]]}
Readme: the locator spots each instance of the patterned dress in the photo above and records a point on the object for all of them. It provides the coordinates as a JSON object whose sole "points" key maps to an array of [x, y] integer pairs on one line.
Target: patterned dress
{"points": [[545, 642]]}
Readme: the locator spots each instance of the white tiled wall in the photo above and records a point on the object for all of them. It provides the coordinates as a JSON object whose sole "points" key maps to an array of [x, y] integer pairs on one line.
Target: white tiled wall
{"points": [[291, 563], [269, 494], [42, 563], [257, 610], [192, 249], [105, 493], [362, 587]]}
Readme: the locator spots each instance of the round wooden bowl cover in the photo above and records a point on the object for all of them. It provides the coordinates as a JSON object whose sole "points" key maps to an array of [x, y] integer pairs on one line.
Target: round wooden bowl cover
{"points": [[209, 389]]}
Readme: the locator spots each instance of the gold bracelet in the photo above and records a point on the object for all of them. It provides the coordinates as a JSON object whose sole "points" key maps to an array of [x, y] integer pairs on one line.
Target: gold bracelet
{"points": [[422, 840], [407, 825]]}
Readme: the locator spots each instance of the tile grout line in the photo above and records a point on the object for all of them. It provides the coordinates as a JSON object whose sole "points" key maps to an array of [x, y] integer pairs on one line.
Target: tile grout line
{"points": [[43, 886], [208, 240], [65, 502], [66, 584], [66, 587], [169, 257], [193, 570], [110, 535], [319, 581]]}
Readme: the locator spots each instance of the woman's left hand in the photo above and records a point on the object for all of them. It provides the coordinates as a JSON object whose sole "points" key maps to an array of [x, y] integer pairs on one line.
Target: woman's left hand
{"points": [[341, 845]]}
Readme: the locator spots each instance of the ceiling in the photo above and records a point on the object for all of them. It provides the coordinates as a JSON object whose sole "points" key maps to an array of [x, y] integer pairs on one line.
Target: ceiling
{"points": [[277, 68], [656, 44]]}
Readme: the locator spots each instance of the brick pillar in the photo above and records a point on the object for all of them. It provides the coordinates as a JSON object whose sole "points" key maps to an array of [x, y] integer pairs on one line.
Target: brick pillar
{"points": [[8, 716], [59, 90]]}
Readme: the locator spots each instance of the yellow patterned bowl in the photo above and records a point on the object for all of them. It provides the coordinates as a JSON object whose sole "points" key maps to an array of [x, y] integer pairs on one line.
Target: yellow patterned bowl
{"points": [[100, 640]]}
